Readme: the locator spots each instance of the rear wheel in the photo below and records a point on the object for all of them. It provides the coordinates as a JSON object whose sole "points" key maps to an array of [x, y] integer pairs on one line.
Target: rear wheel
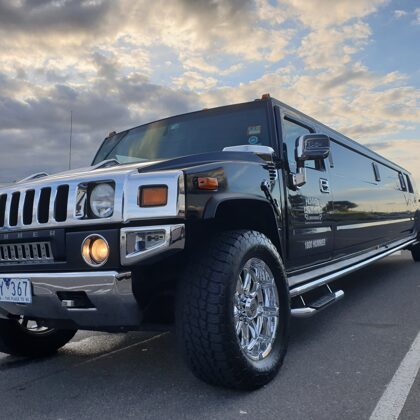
{"points": [[233, 311], [415, 252], [25, 337]]}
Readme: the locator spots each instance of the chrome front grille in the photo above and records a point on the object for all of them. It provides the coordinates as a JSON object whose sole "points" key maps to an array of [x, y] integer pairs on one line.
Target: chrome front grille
{"points": [[61, 201], [31, 252], [34, 207]]}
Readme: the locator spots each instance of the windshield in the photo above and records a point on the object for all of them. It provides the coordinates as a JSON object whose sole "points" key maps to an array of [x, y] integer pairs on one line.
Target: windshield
{"points": [[200, 132]]}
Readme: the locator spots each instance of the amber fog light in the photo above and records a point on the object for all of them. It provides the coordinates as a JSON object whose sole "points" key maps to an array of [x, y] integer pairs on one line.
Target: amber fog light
{"points": [[95, 250]]}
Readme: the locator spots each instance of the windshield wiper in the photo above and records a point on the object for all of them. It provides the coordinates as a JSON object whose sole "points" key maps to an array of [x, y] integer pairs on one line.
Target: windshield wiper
{"points": [[107, 164]]}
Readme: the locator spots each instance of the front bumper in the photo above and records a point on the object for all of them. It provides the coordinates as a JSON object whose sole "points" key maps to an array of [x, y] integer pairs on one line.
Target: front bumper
{"points": [[95, 300], [111, 302]]}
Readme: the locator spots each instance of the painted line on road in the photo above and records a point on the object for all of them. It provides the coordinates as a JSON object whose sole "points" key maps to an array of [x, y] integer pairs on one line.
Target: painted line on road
{"points": [[93, 359], [393, 399]]}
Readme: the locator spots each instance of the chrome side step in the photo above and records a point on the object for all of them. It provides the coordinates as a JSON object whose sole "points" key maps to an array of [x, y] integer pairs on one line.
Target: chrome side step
{"points": [[314, 307], [322, 281]]}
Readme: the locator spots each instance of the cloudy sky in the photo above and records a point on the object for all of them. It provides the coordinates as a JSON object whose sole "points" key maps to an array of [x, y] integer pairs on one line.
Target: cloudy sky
{"points": [[353, 64]]}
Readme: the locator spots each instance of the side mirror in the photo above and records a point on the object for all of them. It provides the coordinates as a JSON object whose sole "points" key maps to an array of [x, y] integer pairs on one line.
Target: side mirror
{"points": [[308, 147], [312, 147]]}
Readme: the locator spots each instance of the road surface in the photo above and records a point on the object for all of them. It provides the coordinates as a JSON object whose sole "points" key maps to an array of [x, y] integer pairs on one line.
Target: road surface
{"points": [[349, 362]]}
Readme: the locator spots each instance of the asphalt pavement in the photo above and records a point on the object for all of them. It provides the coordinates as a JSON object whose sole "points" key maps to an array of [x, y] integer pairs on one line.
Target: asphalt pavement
{"points": [[338, 366]]}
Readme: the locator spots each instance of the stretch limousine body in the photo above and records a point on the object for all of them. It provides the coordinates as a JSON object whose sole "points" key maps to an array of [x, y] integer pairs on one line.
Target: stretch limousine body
{"points": [[226, 222]]}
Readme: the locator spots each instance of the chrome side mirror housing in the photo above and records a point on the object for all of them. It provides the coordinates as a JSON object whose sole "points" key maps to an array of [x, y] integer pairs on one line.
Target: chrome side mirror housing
{"points": [[308, 147], [312, 147]]}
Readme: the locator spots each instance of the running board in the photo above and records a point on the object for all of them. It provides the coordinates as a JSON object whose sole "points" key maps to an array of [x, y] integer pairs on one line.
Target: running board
{"points": [[322, 281], [318, 305]]}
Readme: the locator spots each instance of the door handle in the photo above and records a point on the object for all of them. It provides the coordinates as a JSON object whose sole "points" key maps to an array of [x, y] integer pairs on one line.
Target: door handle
{"points": [[324, 185]]}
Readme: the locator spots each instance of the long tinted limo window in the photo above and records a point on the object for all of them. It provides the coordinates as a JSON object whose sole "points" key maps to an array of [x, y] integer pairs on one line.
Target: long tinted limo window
{"points": [[347, 161]]}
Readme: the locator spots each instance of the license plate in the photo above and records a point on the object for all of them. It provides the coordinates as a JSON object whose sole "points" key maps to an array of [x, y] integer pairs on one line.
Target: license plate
{"points": [[15, 290]]}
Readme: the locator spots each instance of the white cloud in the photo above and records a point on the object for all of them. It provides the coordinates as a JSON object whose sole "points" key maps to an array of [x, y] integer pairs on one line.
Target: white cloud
{"points": [[194, 81], [325, 13], [417, 16], [333, 46], [400, 13]]}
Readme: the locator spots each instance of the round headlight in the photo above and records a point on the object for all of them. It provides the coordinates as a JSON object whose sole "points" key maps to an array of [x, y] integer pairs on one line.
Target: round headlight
{"points": [[102, 200], [95, 250]]}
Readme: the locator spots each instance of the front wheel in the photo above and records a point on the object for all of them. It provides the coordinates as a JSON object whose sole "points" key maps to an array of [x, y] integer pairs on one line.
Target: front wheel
{"points": [[29, 338], [233, 311]]}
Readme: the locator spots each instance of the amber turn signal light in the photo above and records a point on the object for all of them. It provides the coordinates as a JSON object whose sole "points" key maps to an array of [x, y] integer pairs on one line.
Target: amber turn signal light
{"points": [[153, 196], [207, 183]]}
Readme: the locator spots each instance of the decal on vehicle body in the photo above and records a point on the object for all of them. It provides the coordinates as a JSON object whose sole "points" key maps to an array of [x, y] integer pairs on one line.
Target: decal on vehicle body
{"points": [[253, 140], [312, 209], [254, 130], [315, 243]]}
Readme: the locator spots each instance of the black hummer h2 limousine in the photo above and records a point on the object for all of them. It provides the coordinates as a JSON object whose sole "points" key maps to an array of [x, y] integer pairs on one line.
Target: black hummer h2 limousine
{"points": [[226, 222]]}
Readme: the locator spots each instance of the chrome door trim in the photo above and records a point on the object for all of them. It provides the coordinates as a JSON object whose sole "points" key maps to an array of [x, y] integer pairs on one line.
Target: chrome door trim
{"points": [[370, 224]]}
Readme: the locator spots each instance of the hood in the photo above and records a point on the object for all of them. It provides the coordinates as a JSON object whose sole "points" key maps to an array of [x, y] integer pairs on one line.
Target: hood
{"points": [[181, 163], [87, 171]]}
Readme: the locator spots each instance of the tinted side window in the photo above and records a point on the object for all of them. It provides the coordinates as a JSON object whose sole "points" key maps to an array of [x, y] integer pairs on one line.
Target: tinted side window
{"points": [[348, 161], [291, 131], [390, 178]]}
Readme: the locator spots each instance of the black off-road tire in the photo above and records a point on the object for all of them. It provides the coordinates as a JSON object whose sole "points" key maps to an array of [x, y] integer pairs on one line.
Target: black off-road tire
{"points": [[205, 326], [18, 341], [415, 252]]}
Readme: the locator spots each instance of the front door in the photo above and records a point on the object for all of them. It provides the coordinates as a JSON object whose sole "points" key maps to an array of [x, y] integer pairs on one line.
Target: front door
{"points": [[309, 218]]}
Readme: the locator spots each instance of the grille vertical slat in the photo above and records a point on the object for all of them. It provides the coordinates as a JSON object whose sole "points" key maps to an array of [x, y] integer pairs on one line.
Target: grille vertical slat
{"points": [[72, 200], [35, 206], [51, 207], [22, 199], [7, 211]]}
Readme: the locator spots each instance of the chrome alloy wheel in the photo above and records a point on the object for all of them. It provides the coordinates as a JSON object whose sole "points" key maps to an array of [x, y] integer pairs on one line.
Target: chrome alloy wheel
{"points": [[256, 309]]}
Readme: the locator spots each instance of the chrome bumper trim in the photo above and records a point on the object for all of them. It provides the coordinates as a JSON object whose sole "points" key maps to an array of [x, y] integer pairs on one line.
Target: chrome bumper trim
{"points": [[174, 239], [114, 305]]}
